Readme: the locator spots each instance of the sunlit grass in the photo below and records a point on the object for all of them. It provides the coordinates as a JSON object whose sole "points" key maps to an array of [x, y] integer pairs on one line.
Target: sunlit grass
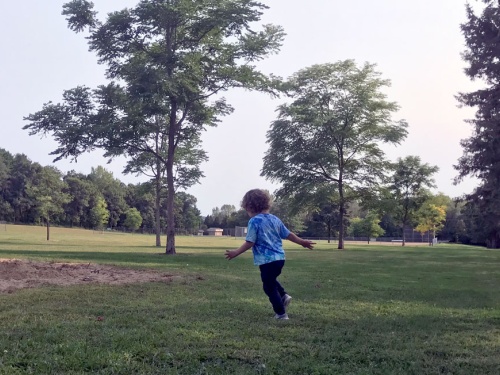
{"points": [[367, 310]]}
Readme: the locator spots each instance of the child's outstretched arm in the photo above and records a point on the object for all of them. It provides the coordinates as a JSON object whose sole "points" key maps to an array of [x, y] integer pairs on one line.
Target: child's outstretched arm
{"points": [[305, 243], [230, 254]]}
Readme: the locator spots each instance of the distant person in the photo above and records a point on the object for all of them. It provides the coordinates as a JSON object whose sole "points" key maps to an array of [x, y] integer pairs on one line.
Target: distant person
{"points": [[264, 235]]}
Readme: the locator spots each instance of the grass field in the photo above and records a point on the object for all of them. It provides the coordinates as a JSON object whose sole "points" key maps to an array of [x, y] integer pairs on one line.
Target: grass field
{"points": [[365, 310]]}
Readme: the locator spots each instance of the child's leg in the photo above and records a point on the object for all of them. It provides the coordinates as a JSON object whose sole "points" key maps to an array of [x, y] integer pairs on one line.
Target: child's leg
{"points": [[269, 273], [281, 290]]}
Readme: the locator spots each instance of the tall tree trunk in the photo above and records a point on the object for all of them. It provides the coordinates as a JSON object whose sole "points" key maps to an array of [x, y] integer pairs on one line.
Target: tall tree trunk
{"points": [[170, 249], [172, 132], [341, 215], [329, 224], [157, 209], [157, 190], [48, 228], [404, 235]]}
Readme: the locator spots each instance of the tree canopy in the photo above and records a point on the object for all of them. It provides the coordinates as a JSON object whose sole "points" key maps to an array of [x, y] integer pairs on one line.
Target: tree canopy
{"points": [[481, 151], [332, 132], [408, 190], [168, 61]]}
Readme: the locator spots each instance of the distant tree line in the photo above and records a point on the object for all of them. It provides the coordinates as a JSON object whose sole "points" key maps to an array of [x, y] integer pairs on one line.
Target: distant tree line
{"points": [[34, 194], [439, 216]]}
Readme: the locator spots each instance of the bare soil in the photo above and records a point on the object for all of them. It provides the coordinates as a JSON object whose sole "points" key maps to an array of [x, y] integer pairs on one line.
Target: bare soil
{"points": [[18, 274]]}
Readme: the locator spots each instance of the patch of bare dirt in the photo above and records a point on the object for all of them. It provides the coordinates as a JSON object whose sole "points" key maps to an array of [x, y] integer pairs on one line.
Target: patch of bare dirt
{"points": [[19, 274]]}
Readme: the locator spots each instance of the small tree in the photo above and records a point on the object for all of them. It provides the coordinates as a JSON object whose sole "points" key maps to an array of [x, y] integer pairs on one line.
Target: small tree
{"points": [[368, 227], [133, 219], [430, 218], [371, 223], [407, 191], [99, 214], [47, 191]]}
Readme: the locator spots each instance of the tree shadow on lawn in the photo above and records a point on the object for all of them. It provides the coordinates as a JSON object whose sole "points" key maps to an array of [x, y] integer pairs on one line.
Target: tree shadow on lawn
{"points": [[419, 344], [416, 344], [344, 283], [433, 292], [229, 334]]}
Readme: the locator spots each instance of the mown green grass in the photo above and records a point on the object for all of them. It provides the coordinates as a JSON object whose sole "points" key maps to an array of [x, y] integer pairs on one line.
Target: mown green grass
{"points": [[367, 310]]}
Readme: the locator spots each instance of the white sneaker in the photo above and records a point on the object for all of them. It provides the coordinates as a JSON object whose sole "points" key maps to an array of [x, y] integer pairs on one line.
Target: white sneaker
{"points": [[281, 317], [286, 300]]}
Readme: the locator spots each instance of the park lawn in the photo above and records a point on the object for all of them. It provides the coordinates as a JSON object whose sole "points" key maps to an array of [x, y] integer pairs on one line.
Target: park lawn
{"points": [[366, 310]]}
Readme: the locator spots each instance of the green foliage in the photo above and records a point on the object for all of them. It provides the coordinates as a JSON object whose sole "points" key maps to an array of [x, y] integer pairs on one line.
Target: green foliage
{"points": [[368, 227], [293, 220], [430, 217], [83, 194], [47, 194], [133, 219], [6, 210], [454, 228], [113, 191], [481, 154], [30, 193], [99, 214], [187, 215], [226, 217], [407, 190], [22, 173], [142, 197], [331, 133]]}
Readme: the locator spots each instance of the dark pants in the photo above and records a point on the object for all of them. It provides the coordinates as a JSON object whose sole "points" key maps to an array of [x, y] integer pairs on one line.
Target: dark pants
{"points": [[269, 272]]}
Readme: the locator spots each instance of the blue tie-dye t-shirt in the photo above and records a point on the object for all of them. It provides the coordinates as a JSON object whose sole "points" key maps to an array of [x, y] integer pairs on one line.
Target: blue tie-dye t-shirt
{"points": [[266, 232]]}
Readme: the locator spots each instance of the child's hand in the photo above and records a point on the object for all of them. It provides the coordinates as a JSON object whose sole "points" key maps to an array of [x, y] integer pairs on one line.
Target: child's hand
{"points": [[230, 254], [308, 244]]}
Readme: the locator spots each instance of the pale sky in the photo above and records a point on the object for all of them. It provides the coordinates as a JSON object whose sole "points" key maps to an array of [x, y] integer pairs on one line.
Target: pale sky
{"points": [[415, 44]]}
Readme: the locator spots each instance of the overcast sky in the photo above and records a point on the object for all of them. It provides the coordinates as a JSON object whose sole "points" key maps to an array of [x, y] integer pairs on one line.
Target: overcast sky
{"points": [[415, 44]]}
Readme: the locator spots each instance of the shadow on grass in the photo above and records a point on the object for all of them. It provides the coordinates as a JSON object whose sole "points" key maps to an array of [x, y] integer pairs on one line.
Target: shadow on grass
{"points": [[231, 333], [376, 282]]}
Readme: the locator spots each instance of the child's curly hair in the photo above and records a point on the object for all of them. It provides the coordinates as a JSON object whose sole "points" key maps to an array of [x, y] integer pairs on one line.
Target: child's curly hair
{"points": [[256, 201]]}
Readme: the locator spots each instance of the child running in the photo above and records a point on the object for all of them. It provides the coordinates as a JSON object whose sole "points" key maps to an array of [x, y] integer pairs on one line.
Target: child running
{"points": [[264, 235]]}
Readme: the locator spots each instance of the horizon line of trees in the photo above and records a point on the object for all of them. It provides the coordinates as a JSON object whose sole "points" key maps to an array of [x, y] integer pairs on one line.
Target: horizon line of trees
{"points": [[34, 194]]}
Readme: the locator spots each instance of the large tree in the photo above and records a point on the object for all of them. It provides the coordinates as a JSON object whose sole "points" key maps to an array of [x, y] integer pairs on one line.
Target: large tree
{"points": [[332, 132], [481, 154], [408, 190], [167, 60]]}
